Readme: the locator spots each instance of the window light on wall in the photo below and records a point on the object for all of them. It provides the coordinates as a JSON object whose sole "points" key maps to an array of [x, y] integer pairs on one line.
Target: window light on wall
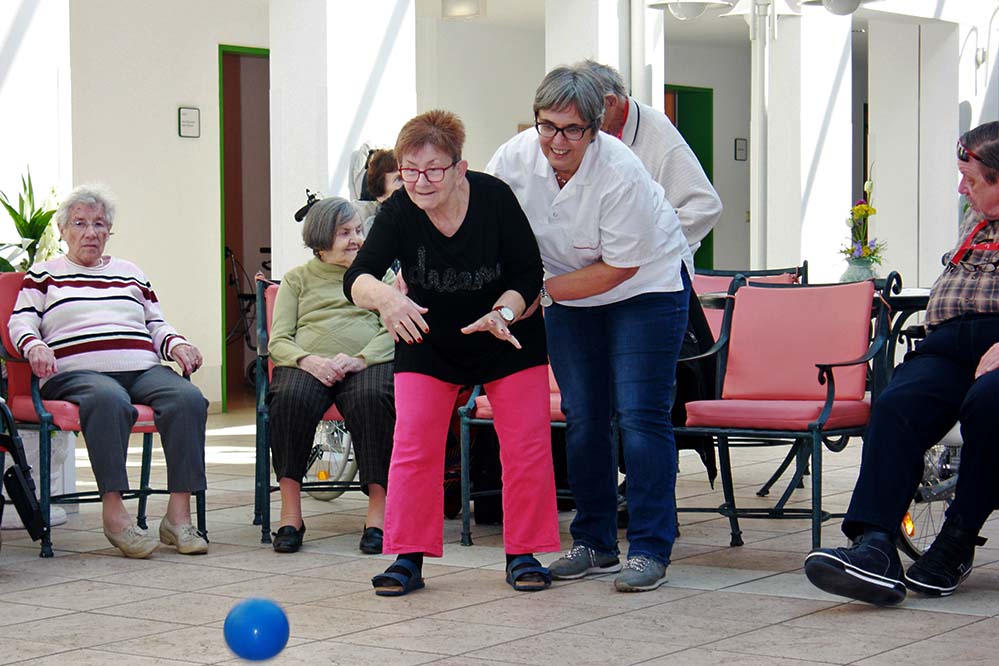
{"points": [[462, 9]]}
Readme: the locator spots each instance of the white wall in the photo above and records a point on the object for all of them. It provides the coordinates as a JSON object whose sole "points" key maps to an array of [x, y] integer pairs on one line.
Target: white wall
{"points": [[34, 100], [487, 74], [133, 64], [725, 69]]}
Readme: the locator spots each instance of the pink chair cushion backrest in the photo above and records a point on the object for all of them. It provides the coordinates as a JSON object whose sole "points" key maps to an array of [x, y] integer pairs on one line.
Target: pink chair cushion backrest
{"points": [[704, 284], [778, 335]]}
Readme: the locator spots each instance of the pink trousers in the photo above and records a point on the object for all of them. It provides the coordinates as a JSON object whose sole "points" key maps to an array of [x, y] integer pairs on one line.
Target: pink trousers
{"points": [[414, 511]]}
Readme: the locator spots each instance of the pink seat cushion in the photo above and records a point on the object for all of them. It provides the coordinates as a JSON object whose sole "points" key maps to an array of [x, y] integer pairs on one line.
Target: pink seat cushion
{"points": [[775, 414], [66, 415], [483, 410]]}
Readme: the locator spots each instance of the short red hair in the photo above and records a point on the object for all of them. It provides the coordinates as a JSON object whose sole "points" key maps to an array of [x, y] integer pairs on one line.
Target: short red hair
{"points": [[439, 128]]}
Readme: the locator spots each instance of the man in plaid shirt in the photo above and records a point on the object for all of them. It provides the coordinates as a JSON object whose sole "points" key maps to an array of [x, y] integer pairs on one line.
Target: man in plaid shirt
{"points": [[949, 377]]}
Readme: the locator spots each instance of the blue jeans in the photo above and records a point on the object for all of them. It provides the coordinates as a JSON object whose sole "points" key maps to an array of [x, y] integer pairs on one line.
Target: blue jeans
{"points": [[619, 360]]}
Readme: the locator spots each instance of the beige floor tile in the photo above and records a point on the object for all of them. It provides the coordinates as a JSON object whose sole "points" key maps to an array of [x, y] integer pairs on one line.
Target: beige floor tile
{"points": [[564, 649], [830, 644], [935, 651], [205, 645], [682, 574], [541, 615], [311, 621], [25, 652], [81, 595], [181, 577], [904, 622], [471, 661], [15, 613], [601, 593], [333, 653], [82, 630], [84, 565], [702, 657], [12, 580], [793, 585], [293, 588], [438, 636], [727, 605], [188, 608], [746, 558], [263, 559], [659, 625], [99, 658]]}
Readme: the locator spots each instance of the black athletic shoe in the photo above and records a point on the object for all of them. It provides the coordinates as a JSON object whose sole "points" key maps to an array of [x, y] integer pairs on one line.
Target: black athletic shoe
{"points": [[946, 564], [870, 570]]}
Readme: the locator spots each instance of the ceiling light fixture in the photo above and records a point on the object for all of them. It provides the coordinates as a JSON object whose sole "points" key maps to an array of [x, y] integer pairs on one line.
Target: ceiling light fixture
{"points": [[462, 9], [687, 10], [838, 7]]}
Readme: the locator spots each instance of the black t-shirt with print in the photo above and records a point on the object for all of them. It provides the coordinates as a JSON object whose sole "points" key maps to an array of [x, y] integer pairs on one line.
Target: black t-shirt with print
{"points": [[458, 279]]}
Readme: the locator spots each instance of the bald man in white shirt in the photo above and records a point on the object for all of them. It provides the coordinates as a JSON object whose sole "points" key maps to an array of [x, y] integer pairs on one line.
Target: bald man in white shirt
{"points": [[666, 156]]}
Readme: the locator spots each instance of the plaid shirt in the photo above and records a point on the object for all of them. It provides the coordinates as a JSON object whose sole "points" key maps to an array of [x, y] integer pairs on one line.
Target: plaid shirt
{"points": [[958, 290]]}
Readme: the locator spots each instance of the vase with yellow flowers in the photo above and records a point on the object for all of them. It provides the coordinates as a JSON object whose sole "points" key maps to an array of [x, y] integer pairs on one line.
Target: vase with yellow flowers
{"points": [[862, 252]]}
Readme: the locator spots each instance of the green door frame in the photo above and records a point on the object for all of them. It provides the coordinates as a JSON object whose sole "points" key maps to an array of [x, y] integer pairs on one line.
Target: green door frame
{"points": [[227, 49], [695, 121]]}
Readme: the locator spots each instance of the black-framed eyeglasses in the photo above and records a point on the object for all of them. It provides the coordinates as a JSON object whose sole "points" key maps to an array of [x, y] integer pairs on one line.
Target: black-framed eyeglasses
{"points": [[985, 267], [964, 153], [572, 132], [433, 174]]}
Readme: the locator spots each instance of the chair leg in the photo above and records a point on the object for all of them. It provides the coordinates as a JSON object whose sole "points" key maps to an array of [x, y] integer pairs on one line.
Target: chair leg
{"points": [[147, 465], [801, 455], [199, 501], [466, 482], [725, 465], [765, 488], [260, 475], [45, 484], [816, 490]]}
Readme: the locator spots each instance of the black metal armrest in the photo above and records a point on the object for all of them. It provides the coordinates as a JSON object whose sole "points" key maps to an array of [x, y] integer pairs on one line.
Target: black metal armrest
{"points": [[715, 348]]}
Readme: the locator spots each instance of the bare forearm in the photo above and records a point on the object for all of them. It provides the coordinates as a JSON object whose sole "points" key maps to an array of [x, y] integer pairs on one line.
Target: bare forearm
{"points": [[370, 293], [595, 279]]}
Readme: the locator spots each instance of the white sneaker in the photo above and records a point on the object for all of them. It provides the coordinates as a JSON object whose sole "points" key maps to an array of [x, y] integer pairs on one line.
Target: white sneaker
{"points": [[186, 537]]}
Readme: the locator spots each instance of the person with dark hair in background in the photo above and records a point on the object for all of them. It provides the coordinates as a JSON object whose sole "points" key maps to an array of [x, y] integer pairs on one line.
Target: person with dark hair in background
{"points": [[950, 376]]}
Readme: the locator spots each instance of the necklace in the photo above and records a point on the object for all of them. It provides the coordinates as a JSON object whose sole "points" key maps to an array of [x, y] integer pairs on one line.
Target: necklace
{"points": [[560, 180]]}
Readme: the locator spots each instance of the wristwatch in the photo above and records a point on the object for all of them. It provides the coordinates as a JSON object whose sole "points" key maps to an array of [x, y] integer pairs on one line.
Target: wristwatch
{"points": [[546, 300], [506, 313]]}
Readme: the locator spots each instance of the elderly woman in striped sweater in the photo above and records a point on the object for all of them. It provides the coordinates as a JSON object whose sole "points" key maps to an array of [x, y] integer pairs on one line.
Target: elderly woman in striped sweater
{"points": [[92, 329]]}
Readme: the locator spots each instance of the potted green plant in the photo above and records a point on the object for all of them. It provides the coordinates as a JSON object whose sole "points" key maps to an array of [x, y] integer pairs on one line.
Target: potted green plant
{"points": [[33, 224]]}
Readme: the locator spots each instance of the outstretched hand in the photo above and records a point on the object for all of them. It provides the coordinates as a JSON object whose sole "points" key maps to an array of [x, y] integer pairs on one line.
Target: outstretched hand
{"points": [[403, 318], [493, 323]]}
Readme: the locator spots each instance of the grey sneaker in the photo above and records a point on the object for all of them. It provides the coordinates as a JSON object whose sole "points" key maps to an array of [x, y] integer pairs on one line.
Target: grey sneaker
{"points": [[641, 574], [581, 561]]}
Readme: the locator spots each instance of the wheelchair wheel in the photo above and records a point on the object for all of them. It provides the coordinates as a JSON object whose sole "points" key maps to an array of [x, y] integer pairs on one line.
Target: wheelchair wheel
{"points": [[925, 516], [332, 459]]}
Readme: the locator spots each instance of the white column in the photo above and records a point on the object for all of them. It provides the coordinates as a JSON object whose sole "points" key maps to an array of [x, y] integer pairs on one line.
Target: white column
{"points": [[826, 169], [298, 121], [371, 85], [939, 206], [342, 74], [893, 141]]}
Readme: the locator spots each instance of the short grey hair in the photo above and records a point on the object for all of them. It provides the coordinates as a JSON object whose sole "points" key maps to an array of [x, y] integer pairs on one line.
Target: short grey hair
{"points": [[322, 220], [609, 78], [91, 194], [565, 87]]}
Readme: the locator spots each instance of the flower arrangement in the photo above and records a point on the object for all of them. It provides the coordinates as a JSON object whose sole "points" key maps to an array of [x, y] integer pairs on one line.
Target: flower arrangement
{"points": [[861, 246]]}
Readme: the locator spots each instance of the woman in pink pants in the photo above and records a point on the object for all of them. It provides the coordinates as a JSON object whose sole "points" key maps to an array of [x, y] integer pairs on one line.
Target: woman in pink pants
{"points": [[470, 316]]}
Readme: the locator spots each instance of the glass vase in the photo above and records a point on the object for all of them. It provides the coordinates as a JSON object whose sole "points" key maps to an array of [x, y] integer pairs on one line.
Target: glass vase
{"points": [[858, 270]]}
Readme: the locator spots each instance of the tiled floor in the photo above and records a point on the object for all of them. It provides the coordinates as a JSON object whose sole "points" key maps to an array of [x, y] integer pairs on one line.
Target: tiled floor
{"points": [[740, 606]]}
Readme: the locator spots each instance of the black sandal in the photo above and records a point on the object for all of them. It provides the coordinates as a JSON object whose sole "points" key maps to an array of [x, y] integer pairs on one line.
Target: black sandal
{"points": [[525, 574]]}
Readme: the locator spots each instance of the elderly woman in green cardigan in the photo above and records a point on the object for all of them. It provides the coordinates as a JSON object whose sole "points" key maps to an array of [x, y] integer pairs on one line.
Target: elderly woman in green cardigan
{"points": [[328, 351]]}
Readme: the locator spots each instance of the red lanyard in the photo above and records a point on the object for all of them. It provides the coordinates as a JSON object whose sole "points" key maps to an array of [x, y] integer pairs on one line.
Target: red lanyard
{"points": [[967, 245], [627, 108]]}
